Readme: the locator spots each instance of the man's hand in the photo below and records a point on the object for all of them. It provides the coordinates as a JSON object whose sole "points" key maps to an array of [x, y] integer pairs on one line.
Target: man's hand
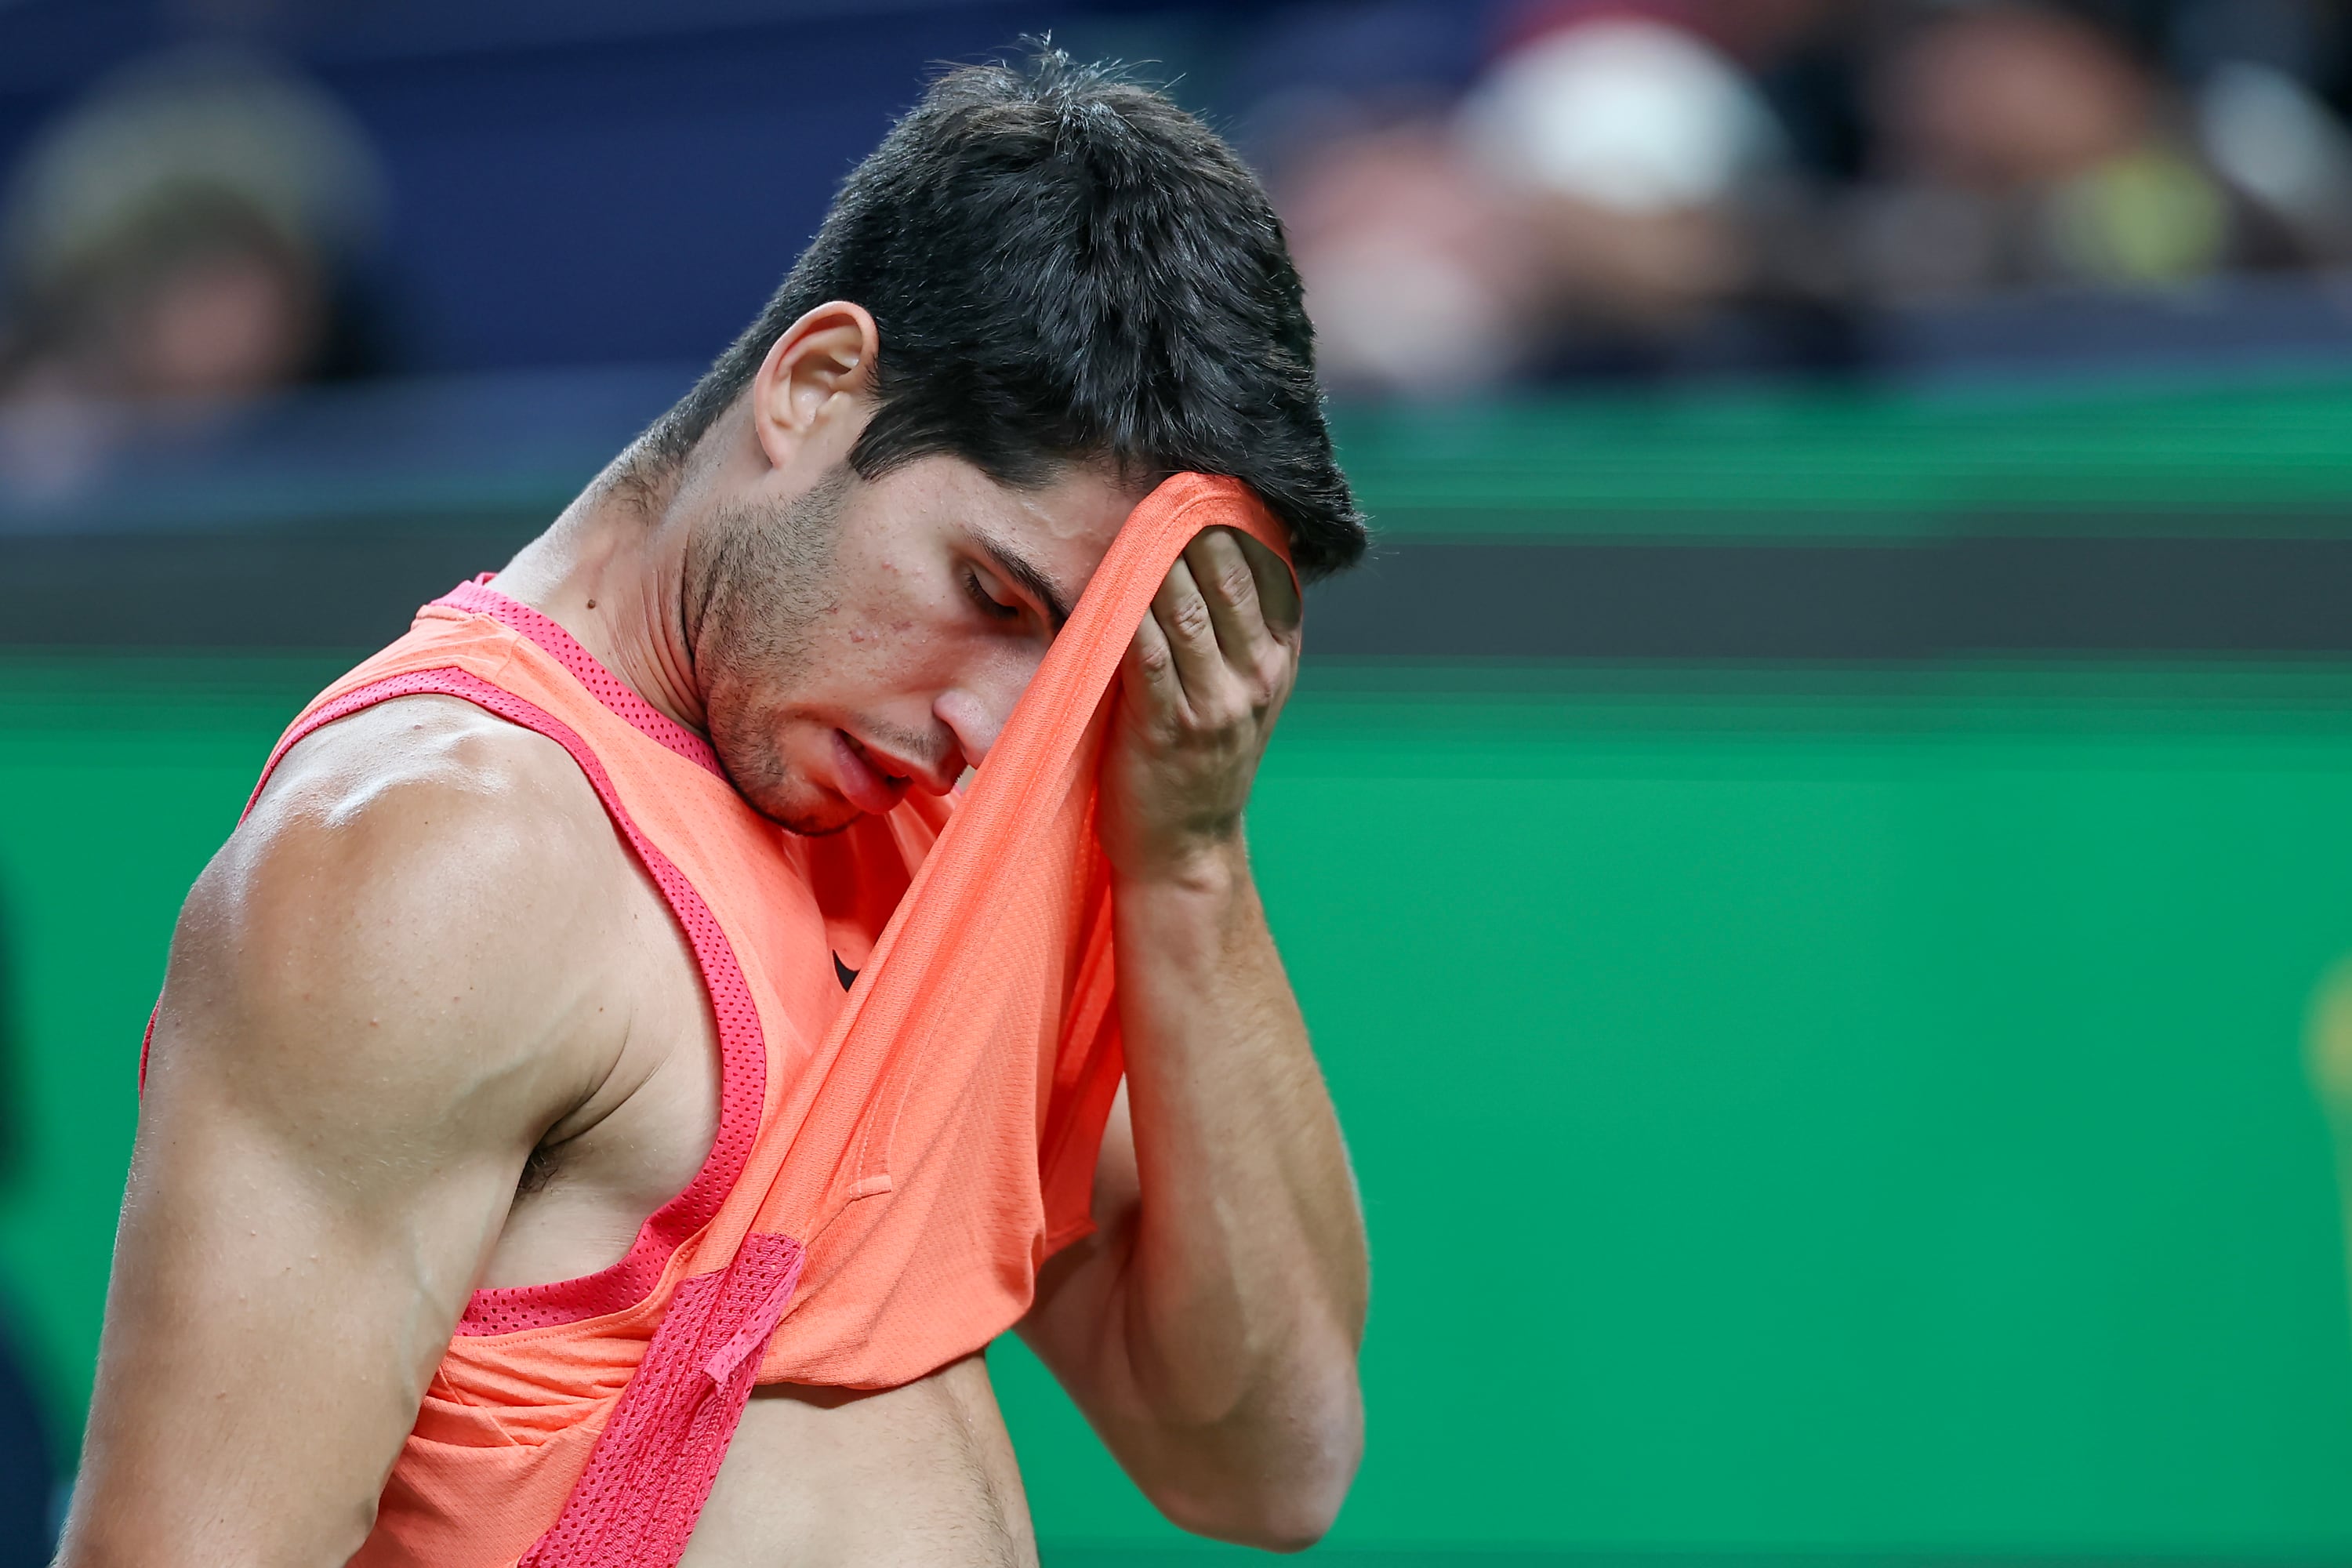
{"points": [[1209, 1328], [1202, 686]]}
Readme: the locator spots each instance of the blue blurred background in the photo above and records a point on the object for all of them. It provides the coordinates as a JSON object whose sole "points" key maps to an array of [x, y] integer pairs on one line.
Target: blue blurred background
{"points": [[1818, 853]]}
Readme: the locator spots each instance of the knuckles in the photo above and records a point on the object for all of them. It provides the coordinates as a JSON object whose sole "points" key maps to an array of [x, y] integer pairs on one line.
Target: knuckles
{"points": [[1190, 618], [1235, 585], [1214, 720]]}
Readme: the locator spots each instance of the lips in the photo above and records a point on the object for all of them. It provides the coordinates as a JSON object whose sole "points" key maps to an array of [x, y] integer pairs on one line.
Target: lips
{"points": [[862, 783]]}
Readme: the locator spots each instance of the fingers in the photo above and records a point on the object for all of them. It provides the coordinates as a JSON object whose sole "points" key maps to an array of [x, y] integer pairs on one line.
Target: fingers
{"points": [[1253, 605], [1221, 574], [1148, 674], [1210, 648], [1182, 613]]}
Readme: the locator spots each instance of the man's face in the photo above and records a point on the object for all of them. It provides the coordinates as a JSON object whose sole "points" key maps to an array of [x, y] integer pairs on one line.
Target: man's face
{"points": [[864, 640]]}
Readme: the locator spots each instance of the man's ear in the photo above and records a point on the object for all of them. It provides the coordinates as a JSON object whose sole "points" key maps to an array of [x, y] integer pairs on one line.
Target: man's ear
{"points": [[813, 379]]}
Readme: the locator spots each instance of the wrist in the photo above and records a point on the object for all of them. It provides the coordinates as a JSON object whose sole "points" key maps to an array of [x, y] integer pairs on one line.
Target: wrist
{"points": [[1202, 868]]}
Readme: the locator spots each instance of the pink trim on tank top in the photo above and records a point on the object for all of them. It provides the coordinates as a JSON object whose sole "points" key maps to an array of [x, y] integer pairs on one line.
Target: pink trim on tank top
{"points": [[479, 598], [743, 1045]]}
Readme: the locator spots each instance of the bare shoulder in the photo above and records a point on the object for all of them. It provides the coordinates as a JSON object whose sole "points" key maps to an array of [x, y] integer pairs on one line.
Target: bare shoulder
{"points": [[405, 927]]}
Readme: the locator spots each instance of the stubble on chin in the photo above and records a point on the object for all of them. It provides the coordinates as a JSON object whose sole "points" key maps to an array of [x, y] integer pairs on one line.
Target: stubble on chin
{"points": [[760, 775]]}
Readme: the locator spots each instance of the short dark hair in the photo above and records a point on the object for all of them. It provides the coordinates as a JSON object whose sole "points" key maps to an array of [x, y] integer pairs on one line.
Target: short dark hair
{"points": [[1066, 267]]}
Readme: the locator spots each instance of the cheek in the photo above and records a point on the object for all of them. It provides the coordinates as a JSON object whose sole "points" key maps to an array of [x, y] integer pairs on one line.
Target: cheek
{"points": [[875, 599], [900, 638]]}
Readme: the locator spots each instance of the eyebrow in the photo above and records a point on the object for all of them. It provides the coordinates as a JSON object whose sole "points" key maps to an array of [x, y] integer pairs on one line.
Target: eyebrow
{"points": [[1026, 573]]}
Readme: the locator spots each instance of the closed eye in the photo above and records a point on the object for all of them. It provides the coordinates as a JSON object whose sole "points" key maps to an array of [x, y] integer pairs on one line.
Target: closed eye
{"points": [[989, 605]]}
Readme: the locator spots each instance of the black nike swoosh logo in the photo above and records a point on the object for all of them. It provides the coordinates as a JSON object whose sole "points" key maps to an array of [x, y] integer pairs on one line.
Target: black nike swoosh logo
{"points": [[842, 971]]}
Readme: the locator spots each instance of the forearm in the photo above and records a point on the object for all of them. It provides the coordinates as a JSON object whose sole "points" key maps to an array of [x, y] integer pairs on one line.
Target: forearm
{"points": [[1210, 1327], [1244, 1284]]}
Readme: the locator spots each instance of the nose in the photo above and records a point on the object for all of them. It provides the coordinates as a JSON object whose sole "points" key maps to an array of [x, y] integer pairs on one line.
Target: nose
{"points": [[976, 721]]}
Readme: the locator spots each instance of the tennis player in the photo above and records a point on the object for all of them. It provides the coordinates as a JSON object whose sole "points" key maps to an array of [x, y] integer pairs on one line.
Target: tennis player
{"points": [[522, 954]]}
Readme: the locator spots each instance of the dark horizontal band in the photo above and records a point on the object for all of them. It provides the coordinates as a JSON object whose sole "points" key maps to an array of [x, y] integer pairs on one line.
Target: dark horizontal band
{"points": [[1876, 602]]}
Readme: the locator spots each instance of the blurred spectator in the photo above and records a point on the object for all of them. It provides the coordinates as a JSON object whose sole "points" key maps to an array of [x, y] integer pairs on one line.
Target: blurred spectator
{"points": [[1612, 194], [1583, 187], [1656, 186], [1478, 192], [181, 240], [2287, 158], [2026, 146], [1628, 141], [1418, 274], [1414, 268]]}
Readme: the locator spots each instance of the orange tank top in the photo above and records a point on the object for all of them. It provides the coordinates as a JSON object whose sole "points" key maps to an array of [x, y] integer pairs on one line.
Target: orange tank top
{"points": [[918, 1051]]}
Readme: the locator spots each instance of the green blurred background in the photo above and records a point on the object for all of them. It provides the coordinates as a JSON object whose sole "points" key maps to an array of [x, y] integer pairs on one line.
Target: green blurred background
{"points": [[1830, 1106], [1809, 852]]}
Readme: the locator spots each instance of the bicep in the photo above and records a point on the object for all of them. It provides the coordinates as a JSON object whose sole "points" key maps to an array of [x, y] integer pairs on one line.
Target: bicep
{"points": [[332, 1122]]}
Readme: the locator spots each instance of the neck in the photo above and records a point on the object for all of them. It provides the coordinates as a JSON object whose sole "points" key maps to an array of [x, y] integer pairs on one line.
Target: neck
{"points": [[610, 571]]}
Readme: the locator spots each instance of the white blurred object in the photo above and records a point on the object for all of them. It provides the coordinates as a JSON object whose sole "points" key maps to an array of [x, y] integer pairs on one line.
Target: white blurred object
{"points": [[1623, 115], [2275, 140]]}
